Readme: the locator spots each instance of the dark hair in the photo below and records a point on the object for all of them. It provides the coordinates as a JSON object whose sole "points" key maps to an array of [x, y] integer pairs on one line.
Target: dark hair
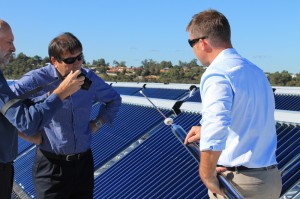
{"points": [[212, 24], [62, 44]]}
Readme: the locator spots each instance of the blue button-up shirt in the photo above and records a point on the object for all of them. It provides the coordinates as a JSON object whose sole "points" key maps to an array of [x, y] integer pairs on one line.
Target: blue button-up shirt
{"points": [[68, 131], [238, 112], [19, 116]]}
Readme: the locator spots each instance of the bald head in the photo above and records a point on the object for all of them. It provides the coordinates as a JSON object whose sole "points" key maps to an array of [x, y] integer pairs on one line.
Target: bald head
{"points": [[6, 42], [4, 26]]}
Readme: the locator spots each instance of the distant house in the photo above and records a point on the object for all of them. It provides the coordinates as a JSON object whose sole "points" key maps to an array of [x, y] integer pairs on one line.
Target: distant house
{"points": [[185, 68], [151, 77], [164, 70], [113, 70]]}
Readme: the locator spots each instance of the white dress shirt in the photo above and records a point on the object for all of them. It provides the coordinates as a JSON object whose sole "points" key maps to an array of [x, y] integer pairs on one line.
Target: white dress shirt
{"points": [[238, 112]]}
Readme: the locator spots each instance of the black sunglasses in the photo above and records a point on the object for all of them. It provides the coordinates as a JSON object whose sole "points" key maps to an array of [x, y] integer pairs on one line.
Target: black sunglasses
{"points": [[71, 60], [192, 42]]}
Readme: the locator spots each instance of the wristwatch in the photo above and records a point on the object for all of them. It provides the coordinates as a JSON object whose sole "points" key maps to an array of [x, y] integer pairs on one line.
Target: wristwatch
{"points": [[98, 124]]}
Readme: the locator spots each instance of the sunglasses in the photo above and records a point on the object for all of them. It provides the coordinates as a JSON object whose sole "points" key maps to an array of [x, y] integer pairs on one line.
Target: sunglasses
{"points": [[192, 42], [71, 60]]}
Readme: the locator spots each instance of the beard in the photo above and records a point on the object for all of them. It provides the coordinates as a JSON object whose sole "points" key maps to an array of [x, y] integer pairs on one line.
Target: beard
{"points": [[5, 59]]}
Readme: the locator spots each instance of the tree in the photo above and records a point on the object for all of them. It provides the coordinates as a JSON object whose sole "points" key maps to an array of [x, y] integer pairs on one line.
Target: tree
{"points": [[184, 72], [148, 63], [138, 71], [100, 62], [295, 80], [116, 63], [145, 72], [285, 77], [102, 69], [45, 61], [166, 64], [192, 63], [280, 79], [122, 63]]}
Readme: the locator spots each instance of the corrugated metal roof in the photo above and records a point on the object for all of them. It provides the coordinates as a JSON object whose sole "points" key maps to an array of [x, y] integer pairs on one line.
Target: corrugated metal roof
{"points": [[160, 166]]}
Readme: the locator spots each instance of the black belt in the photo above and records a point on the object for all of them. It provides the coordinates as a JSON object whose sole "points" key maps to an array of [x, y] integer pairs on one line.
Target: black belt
{"points": [[6, 164], [243, 168], [71, 157]]}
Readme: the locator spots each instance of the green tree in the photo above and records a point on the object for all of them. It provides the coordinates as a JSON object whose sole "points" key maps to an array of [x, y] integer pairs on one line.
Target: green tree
{"points": [[165, 64], [100, 62], [184, 72], [45, 61], [192, 63], [122, 63], [280, 79], [295, 80], [116, 63]]}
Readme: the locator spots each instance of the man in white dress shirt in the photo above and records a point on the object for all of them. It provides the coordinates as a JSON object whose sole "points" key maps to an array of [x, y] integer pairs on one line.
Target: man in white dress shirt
{"points": [[237, 133]]}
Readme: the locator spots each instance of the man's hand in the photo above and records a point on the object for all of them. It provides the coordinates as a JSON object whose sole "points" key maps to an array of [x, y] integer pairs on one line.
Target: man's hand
{"points": [[208, 172], [193, 135], [70, 85], [221, 169], [93, 125], [214, 186], [35, 139]]}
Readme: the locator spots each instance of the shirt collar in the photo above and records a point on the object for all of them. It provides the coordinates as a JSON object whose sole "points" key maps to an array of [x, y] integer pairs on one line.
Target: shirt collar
{"points": [[228, 52]]}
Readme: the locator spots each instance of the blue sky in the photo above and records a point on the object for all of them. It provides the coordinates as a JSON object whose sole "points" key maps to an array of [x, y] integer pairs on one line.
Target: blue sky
{"points": [[264, 31]]}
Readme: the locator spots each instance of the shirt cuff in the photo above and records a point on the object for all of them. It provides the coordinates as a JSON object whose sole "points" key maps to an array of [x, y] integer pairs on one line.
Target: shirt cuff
{"points": [[54, 101], [211, 146]]}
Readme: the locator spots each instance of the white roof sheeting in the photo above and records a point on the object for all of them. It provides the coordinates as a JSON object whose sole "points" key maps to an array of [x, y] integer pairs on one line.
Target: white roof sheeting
{"points": [[280, 115]]}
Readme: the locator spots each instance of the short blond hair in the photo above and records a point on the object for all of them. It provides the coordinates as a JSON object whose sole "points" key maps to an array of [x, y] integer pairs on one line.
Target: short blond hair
{"points": [[212, 24]]}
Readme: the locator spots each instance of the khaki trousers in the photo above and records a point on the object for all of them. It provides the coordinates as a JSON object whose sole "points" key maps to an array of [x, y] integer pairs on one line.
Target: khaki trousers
{"points": [[264, 184]]}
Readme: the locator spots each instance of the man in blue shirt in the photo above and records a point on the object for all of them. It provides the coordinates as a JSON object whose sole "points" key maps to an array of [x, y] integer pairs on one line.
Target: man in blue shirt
{"points": [[64, 166], [19, 116], [237, 130]]}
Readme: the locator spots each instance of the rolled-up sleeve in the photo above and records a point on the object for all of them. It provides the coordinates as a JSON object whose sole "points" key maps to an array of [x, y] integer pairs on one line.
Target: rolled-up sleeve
{"points": [[217, 98]]}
